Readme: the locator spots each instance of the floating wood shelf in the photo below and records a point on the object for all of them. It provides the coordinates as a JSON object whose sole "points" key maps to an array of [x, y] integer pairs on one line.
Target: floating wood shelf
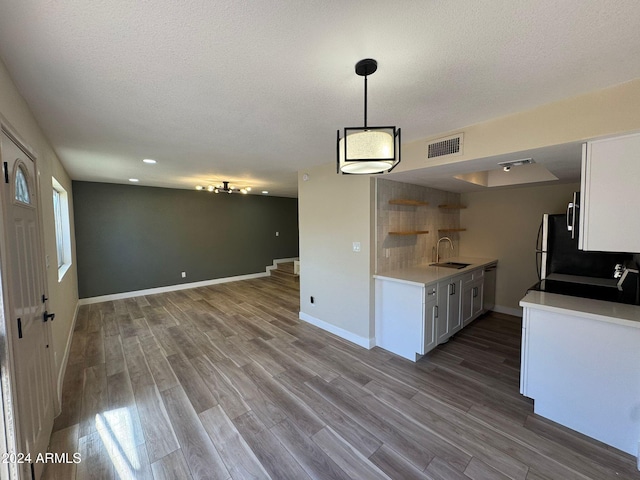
{"points": [[412, 232], [413, 203], [452, 230], [452, 207]]}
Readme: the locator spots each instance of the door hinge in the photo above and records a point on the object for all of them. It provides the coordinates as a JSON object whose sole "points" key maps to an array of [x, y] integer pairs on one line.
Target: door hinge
{"points": [[19, 328], [44, 298], [6, 172]]}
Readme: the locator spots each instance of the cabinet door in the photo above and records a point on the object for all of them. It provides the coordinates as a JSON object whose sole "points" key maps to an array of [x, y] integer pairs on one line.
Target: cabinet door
{"points": [[610, 172], [442, 325], [467, 302], [454, 318], [430, 307], [477, 295]]}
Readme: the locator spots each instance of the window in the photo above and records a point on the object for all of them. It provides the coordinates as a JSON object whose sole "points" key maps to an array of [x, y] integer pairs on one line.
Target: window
{"points": [[22, 187], [63, 229]]}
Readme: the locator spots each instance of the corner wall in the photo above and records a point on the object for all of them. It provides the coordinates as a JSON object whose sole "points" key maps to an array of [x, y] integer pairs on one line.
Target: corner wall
{"points": [[504, 223], [401, 251], [335, 211]]}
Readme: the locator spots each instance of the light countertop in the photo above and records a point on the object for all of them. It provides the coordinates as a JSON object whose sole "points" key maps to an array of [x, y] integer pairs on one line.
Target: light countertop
{"points": [[424, 274], [619, 313]]}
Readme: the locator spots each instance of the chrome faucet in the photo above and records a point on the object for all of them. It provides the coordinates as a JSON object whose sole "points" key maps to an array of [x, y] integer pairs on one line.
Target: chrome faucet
{"points": [[621, 272], [438, 247]]}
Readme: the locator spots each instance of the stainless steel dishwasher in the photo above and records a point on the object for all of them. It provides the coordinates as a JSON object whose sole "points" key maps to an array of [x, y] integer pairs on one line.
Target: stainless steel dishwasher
{"points": [[489, 290]]}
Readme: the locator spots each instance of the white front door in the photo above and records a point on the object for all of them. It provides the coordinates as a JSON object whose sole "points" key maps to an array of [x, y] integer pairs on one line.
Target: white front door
{"points": [[25, 305]]}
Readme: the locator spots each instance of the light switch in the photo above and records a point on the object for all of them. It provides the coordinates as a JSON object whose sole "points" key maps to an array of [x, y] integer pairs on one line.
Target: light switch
{"points": [[356, 246]]}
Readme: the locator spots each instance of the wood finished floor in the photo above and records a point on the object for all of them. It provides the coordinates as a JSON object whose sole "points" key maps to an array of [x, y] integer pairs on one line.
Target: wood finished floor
{"points": [[225, 382]]}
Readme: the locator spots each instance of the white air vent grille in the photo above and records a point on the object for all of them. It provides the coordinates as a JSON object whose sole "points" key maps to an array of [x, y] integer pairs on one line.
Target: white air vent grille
{"points": [[446, 146]]}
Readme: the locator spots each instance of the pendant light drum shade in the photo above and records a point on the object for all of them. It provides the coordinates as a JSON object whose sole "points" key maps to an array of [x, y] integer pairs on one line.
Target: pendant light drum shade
{"points": [[368, 150]]}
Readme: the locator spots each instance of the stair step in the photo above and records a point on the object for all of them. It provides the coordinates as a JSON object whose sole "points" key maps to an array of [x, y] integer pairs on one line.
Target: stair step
{"points": [[285, 266], [284, 271]]}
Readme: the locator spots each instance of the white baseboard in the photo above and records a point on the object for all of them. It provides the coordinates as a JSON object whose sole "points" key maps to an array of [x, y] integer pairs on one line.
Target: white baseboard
{"points": [[281, 260], [183, 286], [367, 343], [516, 312], [65, 360]]}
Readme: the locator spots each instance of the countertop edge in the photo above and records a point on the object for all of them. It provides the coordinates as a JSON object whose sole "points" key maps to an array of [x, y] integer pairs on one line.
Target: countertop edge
{"points": [[621, 314], [421, 275]]}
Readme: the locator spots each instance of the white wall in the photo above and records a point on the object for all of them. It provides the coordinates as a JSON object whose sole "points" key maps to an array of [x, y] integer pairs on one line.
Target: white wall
{"points": [[503, 223], [63, 296], [335, 211], [604, 112]]}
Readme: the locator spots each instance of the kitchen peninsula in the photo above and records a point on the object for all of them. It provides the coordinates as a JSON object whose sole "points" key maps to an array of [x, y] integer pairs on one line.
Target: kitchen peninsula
{"points": [[580, 361], [419, 307]]}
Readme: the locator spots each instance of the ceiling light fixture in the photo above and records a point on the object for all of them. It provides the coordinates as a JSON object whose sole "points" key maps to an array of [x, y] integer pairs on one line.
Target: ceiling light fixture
{"points": [[367, 150], [149, 161], [506, 166], [134, 180], [224, 188]]}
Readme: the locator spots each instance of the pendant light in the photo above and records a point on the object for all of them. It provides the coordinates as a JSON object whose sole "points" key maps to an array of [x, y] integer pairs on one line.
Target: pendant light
{"points": [[367, 150]]}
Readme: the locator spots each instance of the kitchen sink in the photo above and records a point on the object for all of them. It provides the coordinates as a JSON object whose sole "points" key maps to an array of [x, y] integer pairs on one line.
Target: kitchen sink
{"points": [[456, 265]]}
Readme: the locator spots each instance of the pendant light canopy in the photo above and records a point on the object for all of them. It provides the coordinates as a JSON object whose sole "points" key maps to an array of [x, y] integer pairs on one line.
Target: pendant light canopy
{"points": [[367, 150]]}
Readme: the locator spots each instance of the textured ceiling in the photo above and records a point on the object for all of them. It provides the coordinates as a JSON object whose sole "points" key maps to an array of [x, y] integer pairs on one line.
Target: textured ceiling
{"points": [[253, 91]]}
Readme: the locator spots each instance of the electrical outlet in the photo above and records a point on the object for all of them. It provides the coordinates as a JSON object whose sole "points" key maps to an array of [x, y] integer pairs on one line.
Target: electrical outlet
{"points": [[312, 300], [277, 234], [184, 274], [356, 246]]}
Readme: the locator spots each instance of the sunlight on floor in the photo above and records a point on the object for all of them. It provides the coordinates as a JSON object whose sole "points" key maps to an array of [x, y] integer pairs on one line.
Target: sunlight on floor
{"points": [[116, 431]]}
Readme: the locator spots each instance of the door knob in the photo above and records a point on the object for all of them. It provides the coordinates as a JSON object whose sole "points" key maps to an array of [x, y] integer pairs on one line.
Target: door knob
{"points": [[46, 316]]}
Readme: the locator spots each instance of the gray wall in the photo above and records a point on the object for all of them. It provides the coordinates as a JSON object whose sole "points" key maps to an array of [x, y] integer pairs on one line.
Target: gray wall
{"points": [[132, 238]]}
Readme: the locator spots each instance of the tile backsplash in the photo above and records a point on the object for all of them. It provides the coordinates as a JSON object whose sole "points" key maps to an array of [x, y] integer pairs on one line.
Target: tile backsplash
{"points": [[399, 251]]}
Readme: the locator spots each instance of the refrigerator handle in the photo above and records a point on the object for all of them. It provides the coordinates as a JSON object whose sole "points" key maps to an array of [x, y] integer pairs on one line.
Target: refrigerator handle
{"points": [[571, 217]]}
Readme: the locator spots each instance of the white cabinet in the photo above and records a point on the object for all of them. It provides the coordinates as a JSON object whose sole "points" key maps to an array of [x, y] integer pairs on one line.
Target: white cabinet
{"points": [[400, 317], [472, 295], [582, 372], [472, 304], [430, 309], [609, 195], [412, 318], [448, 321]]}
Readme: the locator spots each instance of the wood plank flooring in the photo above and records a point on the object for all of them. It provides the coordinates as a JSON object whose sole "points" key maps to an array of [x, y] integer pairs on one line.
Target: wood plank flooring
{"points": [[225, 382]]}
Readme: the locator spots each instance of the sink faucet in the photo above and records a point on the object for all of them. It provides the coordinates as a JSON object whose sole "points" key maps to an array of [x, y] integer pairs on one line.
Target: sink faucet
{"points": [[438, 247], [621, 272]]}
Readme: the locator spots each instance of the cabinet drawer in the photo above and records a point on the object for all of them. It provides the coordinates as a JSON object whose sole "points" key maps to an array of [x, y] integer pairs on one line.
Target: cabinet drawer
{"points": [[472, 275]]}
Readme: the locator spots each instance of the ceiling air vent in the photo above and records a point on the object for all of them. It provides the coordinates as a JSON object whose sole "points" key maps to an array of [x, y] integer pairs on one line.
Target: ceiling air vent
{"points": [[445, 146]]}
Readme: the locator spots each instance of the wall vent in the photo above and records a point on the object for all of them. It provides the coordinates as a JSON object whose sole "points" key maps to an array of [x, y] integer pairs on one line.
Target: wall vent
{"points": [[445, 146]]}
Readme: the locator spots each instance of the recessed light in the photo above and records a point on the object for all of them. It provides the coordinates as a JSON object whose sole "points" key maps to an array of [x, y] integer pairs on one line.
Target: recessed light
{"points": [[265, 192], [149, 161], [134, 180]]}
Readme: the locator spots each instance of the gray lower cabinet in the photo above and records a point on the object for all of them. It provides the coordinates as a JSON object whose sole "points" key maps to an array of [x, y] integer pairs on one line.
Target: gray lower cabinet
{"points": [[430, 314], [413, 318], [448, 321], [472, 298]]}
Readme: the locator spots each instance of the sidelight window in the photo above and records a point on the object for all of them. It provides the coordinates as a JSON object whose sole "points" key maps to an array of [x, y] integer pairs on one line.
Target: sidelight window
{"points": [[63, 229]]}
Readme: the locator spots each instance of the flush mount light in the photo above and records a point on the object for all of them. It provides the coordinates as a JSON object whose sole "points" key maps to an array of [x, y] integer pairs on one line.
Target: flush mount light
{"points": [[149, 161], [224, 187], [367, 150], [134, 180], [265, 192]]}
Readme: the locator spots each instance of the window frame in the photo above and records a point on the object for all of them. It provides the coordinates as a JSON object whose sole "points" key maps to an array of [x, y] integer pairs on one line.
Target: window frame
{"points": [[62, 227]]}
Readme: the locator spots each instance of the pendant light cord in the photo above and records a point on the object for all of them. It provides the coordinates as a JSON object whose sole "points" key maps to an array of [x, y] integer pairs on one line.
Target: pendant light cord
{"points": [[365, 101]]}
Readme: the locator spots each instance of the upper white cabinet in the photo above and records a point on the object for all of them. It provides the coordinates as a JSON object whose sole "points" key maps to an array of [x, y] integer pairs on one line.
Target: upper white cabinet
{"points": [[610, 195]]}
